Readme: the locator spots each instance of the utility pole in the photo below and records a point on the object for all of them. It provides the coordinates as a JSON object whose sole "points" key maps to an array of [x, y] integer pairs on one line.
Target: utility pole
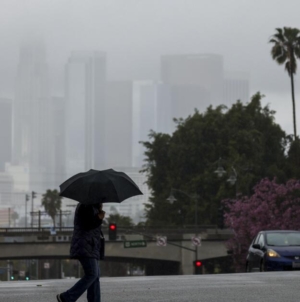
{"points": [[9, 217], [33, 195], [60, 219], [26, 200], [39, 220]]}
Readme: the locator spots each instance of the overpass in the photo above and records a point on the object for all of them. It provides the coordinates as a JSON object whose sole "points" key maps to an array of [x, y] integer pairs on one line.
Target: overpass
{"points": [[39, 243]]}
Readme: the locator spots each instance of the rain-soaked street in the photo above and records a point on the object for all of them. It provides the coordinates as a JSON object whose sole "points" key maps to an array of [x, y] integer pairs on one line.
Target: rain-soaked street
{"points": [[279, 286]]}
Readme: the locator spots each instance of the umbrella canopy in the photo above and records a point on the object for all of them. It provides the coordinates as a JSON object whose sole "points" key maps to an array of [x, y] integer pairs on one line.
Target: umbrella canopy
{"points": [[96, 186]]}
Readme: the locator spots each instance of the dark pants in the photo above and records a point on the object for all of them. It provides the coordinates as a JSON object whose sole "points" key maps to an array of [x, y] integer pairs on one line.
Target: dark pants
{"points": [[90, 282]]}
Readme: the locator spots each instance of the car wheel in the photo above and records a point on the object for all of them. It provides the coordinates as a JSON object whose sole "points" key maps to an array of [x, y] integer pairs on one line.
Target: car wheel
{"points": [[262, 266], [248, 268]]}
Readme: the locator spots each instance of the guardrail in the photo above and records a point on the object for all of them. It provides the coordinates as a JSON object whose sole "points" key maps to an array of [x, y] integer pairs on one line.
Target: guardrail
{"points": [[121, 229]]}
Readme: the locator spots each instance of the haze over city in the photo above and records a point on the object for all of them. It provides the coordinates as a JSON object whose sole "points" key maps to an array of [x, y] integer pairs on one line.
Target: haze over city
{"points": [[137, 48], [135, 33]]}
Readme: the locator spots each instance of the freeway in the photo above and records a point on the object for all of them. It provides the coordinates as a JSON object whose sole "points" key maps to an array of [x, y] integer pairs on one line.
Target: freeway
{"points": [[273, 287]]}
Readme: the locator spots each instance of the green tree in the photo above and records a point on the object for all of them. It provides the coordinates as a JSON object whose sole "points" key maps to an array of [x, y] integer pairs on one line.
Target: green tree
{"points": [[244, 135], [51, 201], [120, 220], [286, 50], [293, 160]]}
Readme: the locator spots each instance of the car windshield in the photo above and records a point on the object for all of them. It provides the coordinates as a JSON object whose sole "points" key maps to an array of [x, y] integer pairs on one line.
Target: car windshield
{"points": [[283, 239]]}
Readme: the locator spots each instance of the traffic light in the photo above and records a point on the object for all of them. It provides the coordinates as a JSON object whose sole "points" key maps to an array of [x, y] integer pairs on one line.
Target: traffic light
{"points": [[198, 267], [33, 194], [112, 231], [220, 218], [27, 278], [12, 278]]}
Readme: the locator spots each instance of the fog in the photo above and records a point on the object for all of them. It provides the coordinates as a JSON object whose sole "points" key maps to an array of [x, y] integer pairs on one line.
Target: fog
{"points": [[134, 34]]}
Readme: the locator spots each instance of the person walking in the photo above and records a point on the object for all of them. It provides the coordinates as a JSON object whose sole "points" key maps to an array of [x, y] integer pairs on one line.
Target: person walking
{"points": [[88, 247]]}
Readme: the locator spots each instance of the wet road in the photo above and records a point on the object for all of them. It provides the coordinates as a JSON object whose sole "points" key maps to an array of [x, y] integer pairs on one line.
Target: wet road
{"points": [[273, 287]]}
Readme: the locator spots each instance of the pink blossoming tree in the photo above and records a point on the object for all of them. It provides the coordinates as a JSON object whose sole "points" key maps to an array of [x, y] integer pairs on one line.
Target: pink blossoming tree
{"points": [[273, 206]]}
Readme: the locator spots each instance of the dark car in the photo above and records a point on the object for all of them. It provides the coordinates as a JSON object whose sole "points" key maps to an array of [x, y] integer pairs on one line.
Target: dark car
{"points": [[274, 251]]}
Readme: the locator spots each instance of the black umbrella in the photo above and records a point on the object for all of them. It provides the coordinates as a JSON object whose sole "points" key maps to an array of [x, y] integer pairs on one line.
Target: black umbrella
{"points": [[96, 186]]}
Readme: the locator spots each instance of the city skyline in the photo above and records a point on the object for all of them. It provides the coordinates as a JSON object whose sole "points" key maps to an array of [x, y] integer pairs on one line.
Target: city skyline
{"points": [[96, 114], [134, 43]]}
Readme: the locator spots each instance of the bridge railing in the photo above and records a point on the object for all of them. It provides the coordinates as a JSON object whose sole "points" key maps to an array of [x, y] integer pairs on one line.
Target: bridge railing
{"points": [[33, 230], [121, 229]]}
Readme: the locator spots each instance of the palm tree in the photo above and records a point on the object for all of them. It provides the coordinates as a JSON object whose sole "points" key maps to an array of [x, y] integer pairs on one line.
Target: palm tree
{"points": [[14, 216], [52, 203], [286, 50]]}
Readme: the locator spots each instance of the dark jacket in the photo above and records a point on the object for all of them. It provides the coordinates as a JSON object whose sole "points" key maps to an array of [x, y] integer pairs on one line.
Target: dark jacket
{"points": [[86, 240]]}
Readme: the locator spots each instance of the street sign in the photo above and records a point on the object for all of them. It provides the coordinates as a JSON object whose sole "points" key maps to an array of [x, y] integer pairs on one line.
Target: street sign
{"points": [[135, 243], [46, 265], [22, 273], [196, 241], [161, 241]]}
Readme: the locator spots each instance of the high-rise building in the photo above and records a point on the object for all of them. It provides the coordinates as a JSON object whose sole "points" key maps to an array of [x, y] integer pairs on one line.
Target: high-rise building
{"points": [[58, 113], [85, 80], [6, 189], [118, 124], [236, 87], [195, 81], [151, 111], [32, 137], [5, 132]]}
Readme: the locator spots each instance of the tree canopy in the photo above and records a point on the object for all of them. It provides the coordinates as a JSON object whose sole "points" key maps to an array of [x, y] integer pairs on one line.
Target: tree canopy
{"points": [[245, 136]]}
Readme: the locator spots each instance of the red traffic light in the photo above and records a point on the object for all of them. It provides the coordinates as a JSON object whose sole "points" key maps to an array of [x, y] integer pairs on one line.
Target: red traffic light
{"points": [[198, 263], [112, 231], [112, 226]]}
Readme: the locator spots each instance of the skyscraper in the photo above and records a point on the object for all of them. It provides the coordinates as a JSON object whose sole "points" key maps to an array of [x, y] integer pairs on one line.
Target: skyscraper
{"points": [[5, 132], [32, 137], [58, 113], [118, 124], [236, 87], [85, 77], [195, 81], [151, 111]]}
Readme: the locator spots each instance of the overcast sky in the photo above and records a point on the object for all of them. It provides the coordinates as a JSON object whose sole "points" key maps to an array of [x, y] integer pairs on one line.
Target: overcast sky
{"points": [[135, 33]]}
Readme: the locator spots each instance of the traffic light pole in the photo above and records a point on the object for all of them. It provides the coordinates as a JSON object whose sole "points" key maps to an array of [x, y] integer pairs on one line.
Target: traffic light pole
{"points": [[26, 200], [169, 242], [174, 244]]}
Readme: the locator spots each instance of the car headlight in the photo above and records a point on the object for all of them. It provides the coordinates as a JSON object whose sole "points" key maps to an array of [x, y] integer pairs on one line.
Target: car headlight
{"points": [[272, 254]]}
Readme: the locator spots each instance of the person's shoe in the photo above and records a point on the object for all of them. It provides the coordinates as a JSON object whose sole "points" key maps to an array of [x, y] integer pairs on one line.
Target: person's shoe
{"points": [[60, 298]]}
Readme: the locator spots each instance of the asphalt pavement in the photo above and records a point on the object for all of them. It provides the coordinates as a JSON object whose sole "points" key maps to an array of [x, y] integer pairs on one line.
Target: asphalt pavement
{"points": [[273, 287]]}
